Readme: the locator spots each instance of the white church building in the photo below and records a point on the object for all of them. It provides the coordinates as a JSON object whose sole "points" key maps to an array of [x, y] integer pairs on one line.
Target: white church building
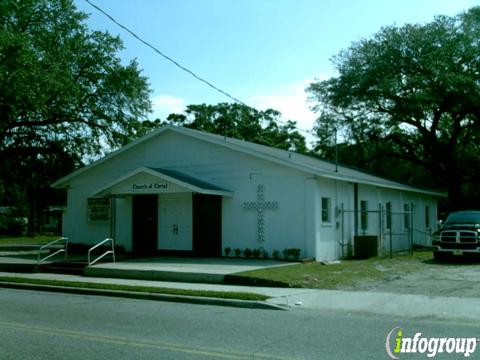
{"points": [[182, 191]]}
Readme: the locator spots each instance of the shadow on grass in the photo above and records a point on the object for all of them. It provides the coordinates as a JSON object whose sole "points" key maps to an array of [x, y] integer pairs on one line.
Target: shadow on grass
{"points": [[454, 261], [233, 279]]}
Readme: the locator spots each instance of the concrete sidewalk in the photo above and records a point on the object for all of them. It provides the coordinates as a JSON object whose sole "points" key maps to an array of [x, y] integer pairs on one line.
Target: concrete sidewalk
{"points": [[398, 305], [191, 270], [271, 292], [162, 268], [388, 304]]}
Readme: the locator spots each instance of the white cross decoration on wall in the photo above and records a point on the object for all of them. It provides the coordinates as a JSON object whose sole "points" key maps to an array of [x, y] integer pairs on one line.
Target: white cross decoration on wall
{"points": [[260, 206]]}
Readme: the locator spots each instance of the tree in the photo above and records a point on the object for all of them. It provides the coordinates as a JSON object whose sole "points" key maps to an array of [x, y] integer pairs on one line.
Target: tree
{"points": [[63, 91], [242, 122], [415, 88]]}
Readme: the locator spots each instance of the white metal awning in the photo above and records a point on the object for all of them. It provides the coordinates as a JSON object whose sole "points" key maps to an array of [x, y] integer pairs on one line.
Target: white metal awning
{"points": [[145, 180]]}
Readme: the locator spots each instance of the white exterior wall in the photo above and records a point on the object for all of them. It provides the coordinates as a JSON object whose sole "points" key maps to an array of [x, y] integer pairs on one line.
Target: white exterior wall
{"points": [[312, 223], [377, 197], [75, 222], [345, 224], [296, 223], [421, 235], [123, 230], [285, 227]]}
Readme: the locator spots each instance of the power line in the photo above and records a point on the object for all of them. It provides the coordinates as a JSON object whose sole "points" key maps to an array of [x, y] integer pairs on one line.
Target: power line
{"points": [[208, 83], [165, 56]]}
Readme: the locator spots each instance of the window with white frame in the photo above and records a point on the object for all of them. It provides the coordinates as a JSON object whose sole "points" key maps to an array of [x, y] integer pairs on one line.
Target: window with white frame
{"points": [[98, 209], [364, 215], [326, 210]]}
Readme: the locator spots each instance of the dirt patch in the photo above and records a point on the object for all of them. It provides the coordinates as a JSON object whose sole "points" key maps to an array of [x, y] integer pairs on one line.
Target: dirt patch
{"points": [[459, 278], [405, 274]]}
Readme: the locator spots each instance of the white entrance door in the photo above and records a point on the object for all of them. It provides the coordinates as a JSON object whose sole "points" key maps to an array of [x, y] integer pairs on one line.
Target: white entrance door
{"points": [[175, 221]]}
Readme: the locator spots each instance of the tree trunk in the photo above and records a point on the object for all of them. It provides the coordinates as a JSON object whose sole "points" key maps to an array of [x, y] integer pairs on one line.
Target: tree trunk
{"points": [[33, 223], [455, 199]]}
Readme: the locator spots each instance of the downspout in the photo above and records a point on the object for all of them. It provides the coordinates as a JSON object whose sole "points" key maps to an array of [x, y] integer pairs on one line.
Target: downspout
{"points": [[355, 208], [113, 216]]}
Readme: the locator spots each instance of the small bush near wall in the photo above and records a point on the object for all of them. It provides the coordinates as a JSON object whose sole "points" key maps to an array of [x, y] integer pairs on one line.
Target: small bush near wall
{"points": [[291, 254], [261, 253], [227, 251]]}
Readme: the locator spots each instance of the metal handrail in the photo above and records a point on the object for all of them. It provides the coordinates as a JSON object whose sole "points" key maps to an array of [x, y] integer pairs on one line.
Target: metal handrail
{"points": [[63, 250], [112, 251]]}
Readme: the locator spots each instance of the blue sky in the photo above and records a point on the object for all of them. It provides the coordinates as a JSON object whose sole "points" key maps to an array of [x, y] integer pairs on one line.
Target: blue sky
{"points": [[263, 52]]}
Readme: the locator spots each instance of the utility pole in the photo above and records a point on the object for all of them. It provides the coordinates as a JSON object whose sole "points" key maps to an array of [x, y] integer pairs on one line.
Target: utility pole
{"points": [[336, 151]]}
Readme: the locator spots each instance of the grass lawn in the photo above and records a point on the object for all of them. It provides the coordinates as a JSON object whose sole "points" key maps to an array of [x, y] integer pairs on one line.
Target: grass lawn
{"points": [[25, 240], [140, 289], [345, 275]]}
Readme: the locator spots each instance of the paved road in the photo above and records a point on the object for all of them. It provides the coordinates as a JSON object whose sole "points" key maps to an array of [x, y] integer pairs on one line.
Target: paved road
{"points": [[41, 325]]}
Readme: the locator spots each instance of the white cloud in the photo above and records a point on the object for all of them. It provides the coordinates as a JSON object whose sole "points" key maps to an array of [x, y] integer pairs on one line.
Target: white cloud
{"points": [[291, 101], [164, 105]]}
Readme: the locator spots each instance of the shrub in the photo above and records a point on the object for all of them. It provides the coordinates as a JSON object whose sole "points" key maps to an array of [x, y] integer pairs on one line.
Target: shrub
{"points": [[263, 253], [295, 253], [237, 252], [227, 251], [292, 253], [275, 254], [10, 225], [256, 253], [247, 252]]}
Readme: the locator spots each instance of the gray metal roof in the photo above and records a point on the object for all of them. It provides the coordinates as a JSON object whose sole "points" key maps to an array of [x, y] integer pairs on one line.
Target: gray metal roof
{"points": [[176, 177], [314, 165], [308, 164], [185, 178]]}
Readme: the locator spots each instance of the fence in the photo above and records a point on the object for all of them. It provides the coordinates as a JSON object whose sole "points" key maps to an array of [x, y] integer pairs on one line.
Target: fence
{"points": [[394, 230]]}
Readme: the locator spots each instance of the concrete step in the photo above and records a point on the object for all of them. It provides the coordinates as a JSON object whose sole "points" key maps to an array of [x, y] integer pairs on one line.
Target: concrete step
{"points": [[23, 247], [64, 267], [20, 266], [154, 274]]}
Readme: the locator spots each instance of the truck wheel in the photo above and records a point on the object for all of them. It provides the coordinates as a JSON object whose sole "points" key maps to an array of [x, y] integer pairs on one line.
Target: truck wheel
{"points": [[439, 256]]}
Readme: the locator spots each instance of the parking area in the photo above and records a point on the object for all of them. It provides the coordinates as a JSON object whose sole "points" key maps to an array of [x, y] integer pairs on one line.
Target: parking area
{"points": [[458, 277]]}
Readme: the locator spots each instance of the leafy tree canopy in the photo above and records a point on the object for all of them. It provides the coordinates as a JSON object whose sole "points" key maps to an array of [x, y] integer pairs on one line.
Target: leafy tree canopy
{"points": [[415, 91], [237, 121], [62, 83], [65, 96]]}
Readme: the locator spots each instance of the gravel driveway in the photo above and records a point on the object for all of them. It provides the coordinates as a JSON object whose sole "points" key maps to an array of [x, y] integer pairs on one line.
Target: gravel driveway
{"points": [[458, 278]]}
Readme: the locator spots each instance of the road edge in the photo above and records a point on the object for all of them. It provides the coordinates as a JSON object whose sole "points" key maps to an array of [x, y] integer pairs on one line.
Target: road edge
{"points": [[199, 300]]}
